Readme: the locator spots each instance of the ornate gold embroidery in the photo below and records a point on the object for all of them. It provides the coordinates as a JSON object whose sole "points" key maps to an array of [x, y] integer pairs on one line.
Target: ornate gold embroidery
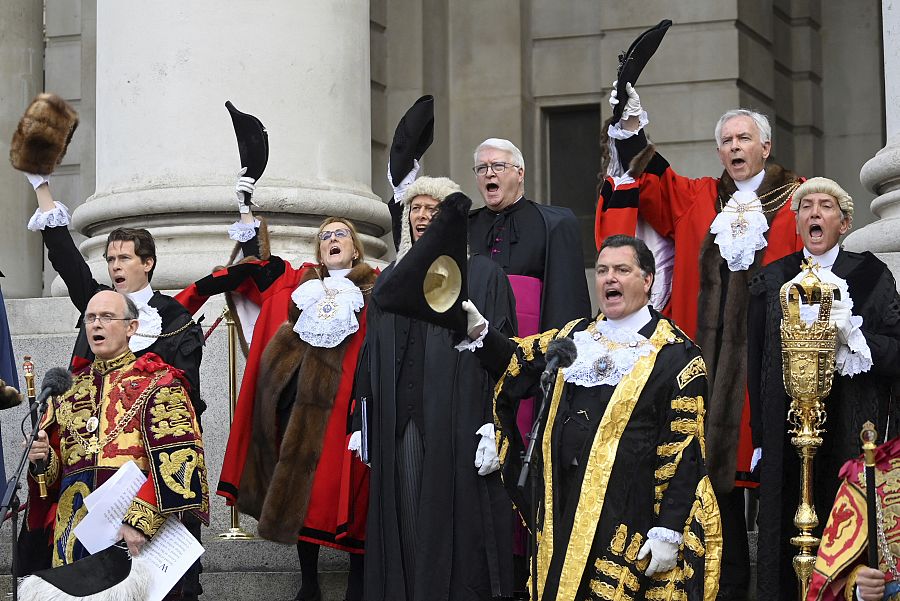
{"points": [[691, 371], [666, 471], [607, 591], [670, 449], [602, 457], [691, 404], [104, 367], [52, 471], [67, 517], [708, 517], [176, 471], [617, 544], [634, 546], [620, 574], [692, 542], [144, 516], [666, 593], [169, 415], [684, 426], [659, 490]]}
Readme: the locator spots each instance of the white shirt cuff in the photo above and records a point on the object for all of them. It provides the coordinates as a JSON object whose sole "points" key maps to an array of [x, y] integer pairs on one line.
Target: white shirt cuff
{"points": [[56, 217], [471, 345], [617, 132], [242, 232], [855, 357], [666, 535]]}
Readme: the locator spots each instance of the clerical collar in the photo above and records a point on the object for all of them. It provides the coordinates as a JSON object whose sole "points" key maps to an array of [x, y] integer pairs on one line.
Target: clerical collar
{"points": [[633, 322], [510, 208], [825, 260], [142, 296], [752, 184], [339, 273], [104, 366]]}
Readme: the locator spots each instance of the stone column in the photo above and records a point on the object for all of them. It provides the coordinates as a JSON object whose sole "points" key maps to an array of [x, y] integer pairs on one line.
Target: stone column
{"points": [[881, 173], [166, 152], [21, 78]]}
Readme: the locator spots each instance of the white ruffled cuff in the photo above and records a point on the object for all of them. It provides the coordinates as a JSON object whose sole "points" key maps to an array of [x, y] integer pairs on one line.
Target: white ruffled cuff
{"points": [[665, 535], [56, 217], [242, 232], [855, 357], [617, 132], [471, 345]]}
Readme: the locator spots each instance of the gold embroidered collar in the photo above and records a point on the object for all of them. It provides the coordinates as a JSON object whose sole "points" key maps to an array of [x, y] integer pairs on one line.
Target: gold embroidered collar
{"points": [[103, 367]]}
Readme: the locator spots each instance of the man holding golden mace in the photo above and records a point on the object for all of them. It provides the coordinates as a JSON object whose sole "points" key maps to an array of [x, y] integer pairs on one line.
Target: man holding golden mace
{"points": [[824, 333]]}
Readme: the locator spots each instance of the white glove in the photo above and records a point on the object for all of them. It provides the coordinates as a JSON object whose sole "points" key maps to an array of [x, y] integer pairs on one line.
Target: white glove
{"points": [[244, 184], [633, 103], [400, 189], [840, 317], [37, 180], [486, 459], [754, 461], [662, 555], [475, 321], [355, 443]]}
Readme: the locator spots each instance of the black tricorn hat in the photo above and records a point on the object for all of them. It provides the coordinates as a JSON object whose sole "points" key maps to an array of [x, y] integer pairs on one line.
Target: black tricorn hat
{"points": [[632, 62], [43, 134], [252, 139], [413, 136], [109, 574], [429, 282]]}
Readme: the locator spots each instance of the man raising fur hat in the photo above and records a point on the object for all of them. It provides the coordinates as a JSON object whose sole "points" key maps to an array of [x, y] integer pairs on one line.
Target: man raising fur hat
{"points": [[867, 319], [429, 415]]}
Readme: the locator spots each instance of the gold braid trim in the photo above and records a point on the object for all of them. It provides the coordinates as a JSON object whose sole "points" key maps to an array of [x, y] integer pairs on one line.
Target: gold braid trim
{"points": [[144, 516], [666, 471], [659, 490], [684, 426], [602, 457], [667, 593], [691, 371], [52, 471], [608, 592], [690, 404]]}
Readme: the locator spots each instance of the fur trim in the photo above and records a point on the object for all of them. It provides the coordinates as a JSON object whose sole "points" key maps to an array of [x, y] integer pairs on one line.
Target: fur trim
{"points": [[438, 188], [43, 135], [641, 160], [727, 354], [279, 470], [134, 588]]}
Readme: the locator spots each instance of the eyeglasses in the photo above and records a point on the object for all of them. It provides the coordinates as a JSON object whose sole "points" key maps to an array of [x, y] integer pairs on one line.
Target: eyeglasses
{"points": [[104, 319], [497, 168], [339, 234]]}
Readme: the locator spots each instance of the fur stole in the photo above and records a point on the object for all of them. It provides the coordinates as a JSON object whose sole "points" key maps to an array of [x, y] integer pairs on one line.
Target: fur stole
{"points": [[282, 459], [727, 354]]}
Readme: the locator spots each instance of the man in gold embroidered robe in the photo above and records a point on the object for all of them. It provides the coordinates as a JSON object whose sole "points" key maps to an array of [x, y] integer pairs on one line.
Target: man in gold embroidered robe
{"points": [[119, 409], [625, 508]]}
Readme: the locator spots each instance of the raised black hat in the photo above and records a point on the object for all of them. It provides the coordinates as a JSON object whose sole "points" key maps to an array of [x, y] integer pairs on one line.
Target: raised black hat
{"points": [[252, 139], [429, 282], [413, 136], [632, 62], [109, 574]]}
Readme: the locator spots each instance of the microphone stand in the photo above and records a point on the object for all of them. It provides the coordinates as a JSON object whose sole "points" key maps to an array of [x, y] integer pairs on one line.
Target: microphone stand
{"points": [[527, 460], [10, 502]]}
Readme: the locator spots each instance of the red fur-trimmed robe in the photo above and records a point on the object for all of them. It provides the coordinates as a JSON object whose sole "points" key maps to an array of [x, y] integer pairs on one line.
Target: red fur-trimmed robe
{"points": [[337, 520]]}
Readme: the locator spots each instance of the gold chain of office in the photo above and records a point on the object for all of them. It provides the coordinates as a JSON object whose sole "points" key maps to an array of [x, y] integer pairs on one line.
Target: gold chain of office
{"points": [[167, 334], [776, 203]]}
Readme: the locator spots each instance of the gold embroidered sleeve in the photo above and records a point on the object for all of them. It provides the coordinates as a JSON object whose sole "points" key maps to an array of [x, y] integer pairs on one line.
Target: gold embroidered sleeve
{"points": [[144, 517]]}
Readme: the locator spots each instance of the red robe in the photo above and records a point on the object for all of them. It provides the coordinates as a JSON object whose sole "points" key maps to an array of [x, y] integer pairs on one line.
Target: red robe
{"points": [[683, 209], [269, 284]]}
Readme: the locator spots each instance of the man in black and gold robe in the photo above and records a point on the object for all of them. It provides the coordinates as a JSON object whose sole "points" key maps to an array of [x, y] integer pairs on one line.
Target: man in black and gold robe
{"points": [[625, 509]]}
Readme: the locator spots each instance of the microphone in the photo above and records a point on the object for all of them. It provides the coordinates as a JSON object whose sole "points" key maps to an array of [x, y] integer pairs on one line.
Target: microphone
{"points": [[9, 396], [560, 353], [56, 382]]}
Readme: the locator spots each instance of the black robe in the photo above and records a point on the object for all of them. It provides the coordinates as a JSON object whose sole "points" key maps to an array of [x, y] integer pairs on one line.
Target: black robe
{"points": [[465, 531], [539, 241], [852, 402], [622, 460], [182, 351]]}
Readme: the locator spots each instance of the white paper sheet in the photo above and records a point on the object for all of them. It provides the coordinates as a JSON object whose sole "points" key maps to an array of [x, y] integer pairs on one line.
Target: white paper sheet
{"points": [[128, 476], [169, 554], [100, 527]]}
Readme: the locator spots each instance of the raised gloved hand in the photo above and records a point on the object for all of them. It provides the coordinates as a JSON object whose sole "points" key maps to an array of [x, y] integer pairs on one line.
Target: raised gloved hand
{"points": [[400, 189], [840, 317], [244, 185], [663, 555], [355, 443], [36, 179], [475, 321], [486, 459], [632, 104]]}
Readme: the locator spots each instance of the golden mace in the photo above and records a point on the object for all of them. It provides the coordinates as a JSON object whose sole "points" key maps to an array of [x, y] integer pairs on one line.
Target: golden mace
{"points": [[807, 353]]}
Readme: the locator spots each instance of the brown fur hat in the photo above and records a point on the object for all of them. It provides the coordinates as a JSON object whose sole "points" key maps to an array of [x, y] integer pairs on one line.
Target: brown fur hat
{"points": [[43, 134]]}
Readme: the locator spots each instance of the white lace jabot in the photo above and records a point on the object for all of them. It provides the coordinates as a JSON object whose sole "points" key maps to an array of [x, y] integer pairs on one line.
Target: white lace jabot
{"points": [[327, 310], [740, 230], [606, 352], [149, 321]]}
